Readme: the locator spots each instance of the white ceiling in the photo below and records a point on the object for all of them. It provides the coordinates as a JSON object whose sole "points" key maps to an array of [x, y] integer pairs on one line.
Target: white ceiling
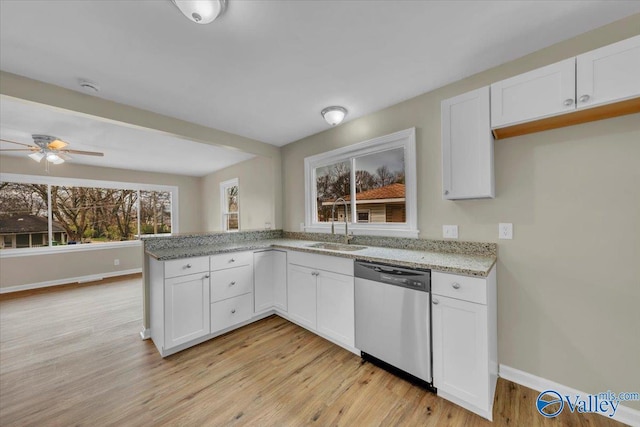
{"points": [[265, 69], [124, 146]]}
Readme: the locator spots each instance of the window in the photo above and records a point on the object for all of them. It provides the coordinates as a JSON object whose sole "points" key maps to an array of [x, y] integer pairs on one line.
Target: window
{"points": [[376, 179], [42, 212], [230, 205]]}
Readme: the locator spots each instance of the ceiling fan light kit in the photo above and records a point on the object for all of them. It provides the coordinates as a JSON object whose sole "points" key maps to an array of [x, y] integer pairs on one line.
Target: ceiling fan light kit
{"points": [[201, 11], [334, 115], [50, 148]]}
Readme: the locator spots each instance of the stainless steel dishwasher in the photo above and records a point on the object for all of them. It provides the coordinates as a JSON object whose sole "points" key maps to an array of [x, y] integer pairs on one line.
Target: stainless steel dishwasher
{"points": [[393, 318]]}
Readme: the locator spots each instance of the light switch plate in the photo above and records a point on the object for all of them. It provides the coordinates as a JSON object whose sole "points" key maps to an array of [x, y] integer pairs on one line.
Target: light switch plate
{"points": [[505, 230], [450, 231]]}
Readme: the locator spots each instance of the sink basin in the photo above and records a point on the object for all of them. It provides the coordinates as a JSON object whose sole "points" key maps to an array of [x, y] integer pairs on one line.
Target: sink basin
{"points": [[337, 247]]}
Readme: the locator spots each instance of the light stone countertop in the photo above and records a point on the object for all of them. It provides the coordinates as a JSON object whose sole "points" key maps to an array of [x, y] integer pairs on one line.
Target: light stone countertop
{"points": [[471, 265]]}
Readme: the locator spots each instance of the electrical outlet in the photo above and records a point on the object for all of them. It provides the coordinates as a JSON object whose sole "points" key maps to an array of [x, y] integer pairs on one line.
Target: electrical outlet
{"points": [[116, 261], [302, 226], [505, 230], [450, 231], [267, 226]]}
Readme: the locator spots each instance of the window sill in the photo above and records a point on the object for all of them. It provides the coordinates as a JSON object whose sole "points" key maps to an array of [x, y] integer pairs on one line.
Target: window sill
{"points": [[12, 253], [360, 229]]}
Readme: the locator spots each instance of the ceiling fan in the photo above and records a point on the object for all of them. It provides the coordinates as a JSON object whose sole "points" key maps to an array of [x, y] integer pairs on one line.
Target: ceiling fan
{"points": [[50, 148]]}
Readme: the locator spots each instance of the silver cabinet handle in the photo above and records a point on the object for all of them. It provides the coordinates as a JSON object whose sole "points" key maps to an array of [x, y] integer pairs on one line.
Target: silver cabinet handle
{"points": [[206, 276], [456, 286], [233, 311], [187, 266], [446, 192], [436, 302], [584, 98], [232, 283], [568, 101]]}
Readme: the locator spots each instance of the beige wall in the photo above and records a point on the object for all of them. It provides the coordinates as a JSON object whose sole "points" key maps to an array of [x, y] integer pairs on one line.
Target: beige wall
{"points": [[260, 192], [569, 281], [35, 269]]}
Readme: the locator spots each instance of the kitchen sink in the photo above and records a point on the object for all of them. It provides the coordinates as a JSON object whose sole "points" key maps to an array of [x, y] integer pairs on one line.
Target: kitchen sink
{"points": [[337, 247]]}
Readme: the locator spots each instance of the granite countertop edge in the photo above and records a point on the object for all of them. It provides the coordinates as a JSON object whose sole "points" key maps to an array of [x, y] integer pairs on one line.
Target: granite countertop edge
{"points": [[470, 265]]}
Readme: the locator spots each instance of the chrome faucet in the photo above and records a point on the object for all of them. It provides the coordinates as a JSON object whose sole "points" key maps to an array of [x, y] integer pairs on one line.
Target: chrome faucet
{"points": [[347, 237]]}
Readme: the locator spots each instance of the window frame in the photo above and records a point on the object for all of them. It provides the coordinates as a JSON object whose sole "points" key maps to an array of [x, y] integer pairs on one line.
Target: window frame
{"points": [[405, 139], [85, 182], [223, 203]]}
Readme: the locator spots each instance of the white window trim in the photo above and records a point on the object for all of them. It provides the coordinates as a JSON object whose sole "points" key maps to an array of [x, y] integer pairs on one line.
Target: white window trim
{"points": [[223, 203], [403, 139], [81, 182]]}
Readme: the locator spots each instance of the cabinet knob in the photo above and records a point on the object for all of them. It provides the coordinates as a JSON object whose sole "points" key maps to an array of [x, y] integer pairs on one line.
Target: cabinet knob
{"points": [[568, 101], [584, 98], [456, 286], [446, 192], [435, 301], [187, 266], [232, 260], [233, 311], [206, 276], [315, 273], [232, 283]]}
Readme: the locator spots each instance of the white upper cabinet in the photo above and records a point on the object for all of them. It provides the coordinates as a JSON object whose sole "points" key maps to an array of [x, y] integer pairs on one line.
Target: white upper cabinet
{"points": [[608, 74], [467, 147], [603, 76], [543, 92]]}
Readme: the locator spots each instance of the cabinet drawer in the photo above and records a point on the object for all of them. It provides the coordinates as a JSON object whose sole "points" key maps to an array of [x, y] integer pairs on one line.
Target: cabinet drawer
{"points": [[181, 267], [230, 260], [472, 289], [231, 312], [322, 262], [231, 282]]}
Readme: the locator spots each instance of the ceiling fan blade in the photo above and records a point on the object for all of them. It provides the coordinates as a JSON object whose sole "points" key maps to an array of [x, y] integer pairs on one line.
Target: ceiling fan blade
{"points": [[21, 143], [56, 144], [86, 153], [17, 149]]}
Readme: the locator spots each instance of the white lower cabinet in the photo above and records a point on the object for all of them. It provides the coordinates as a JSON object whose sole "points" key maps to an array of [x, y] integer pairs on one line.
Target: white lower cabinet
{"points": [[178, 302], [231, 290], [321, 296], [465, 340], [302, 295], [270, 281], [335, 306], [186, 308], [231, 311]]}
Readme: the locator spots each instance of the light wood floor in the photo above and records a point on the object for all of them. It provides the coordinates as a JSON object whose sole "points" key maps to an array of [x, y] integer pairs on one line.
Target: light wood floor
{"points": [[72, 356]]}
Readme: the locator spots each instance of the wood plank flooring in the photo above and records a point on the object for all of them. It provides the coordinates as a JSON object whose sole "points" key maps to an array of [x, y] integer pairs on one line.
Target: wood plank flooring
{"points": [[72, 355]]}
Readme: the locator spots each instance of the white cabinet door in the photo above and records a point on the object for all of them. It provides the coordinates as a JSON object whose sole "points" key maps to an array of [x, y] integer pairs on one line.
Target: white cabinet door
{"points": [[608, 74], [301, 291], [467, 146], [186, 308], [460, 350], [544, 92], [280, 280], [263, 291], [336, 317]]}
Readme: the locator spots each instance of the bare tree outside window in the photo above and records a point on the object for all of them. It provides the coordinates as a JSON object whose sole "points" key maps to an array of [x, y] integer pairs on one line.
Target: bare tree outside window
{"points": [[155, 212], [78, 214], [230, 205], [379, 184]]}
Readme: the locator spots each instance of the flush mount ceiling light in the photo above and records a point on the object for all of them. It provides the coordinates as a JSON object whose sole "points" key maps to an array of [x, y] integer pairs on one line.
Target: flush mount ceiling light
{"points": [[201, 11], [334, 115]]}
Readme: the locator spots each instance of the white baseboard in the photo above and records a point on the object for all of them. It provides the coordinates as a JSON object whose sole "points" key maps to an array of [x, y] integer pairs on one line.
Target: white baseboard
{"points": [[80, 279], [145, 333], [624, 414]]}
